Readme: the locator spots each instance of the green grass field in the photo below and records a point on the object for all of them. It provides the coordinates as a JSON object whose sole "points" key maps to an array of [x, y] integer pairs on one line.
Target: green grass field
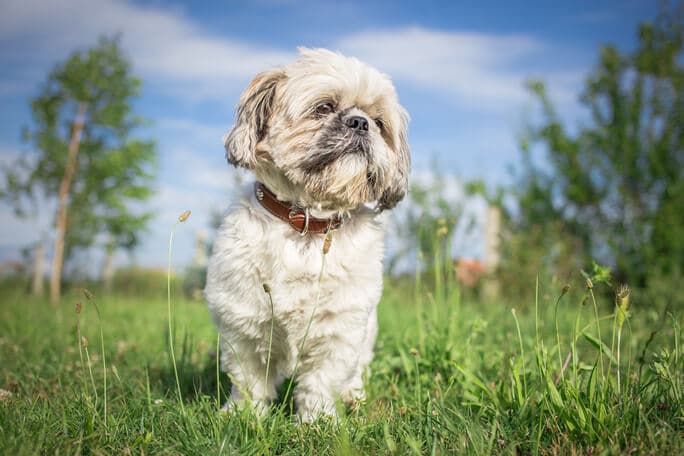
{"points": [[451, 375]]}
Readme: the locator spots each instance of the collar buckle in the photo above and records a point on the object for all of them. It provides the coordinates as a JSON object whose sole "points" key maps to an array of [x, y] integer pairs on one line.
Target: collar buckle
{"points": [[305, 228], [299, 218]]}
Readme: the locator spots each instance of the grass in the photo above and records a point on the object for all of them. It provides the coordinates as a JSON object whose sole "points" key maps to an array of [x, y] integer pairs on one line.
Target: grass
{"points": [[450, 375]]}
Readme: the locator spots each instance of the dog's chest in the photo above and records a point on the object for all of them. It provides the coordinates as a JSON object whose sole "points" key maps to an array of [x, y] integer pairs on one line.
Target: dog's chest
{"points": [[301, 277], [253, 249]]}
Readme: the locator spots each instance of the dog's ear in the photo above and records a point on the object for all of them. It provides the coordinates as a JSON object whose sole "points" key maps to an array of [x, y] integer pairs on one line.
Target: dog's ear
{"points": [[397, 186], [251, 119]]}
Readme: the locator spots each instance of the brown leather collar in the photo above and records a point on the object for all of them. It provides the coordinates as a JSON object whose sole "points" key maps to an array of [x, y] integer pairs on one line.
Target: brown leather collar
{"points": [[295, 216]]}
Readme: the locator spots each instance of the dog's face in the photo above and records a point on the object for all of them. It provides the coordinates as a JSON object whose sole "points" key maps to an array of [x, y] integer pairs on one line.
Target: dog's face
{"points": [[329, 127]]}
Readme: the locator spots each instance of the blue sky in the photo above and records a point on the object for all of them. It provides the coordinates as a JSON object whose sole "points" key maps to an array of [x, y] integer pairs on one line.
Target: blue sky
{"points": [[459, 68]]}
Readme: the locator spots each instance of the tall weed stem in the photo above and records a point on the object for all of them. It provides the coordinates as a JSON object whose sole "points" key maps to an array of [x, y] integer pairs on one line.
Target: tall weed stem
{"points": [[183, 217]]}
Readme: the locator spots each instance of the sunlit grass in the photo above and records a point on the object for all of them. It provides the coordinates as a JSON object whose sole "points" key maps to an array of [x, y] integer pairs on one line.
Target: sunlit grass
{"points": [[450, 375]]}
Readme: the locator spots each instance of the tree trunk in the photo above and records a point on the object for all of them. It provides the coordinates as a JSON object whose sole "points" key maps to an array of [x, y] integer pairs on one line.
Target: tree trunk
{"points": [[108, 269], [38, 255], [492, 256], [62, 204]]}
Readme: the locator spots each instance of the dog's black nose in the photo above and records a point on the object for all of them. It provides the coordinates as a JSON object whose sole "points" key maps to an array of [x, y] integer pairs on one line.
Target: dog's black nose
{"points": [[357, 123]]}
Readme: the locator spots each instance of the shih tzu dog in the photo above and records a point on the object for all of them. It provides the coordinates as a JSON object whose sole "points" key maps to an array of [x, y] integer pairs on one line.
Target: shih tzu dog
{"points": [[296, 272]]}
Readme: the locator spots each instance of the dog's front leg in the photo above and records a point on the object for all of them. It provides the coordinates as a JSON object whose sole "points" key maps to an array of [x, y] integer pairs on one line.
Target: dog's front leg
{"points": [[353, 392], [327, 364], [247, 371]]}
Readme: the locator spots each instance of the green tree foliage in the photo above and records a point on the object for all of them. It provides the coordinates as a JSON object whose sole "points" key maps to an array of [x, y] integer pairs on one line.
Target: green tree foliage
{"points": [[614, 190], [91, 93]]}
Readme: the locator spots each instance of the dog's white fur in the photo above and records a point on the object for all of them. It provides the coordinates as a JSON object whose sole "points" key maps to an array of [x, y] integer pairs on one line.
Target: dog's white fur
{"points": [[323, 331]]}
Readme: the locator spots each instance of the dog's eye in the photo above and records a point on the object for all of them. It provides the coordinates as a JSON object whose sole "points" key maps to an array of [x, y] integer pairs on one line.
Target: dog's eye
{"points": [[325, 108], [380, 123]]}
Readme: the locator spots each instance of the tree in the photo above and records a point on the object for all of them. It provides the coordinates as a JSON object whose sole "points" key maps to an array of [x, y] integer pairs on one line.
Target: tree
{"points": [[615, 189], [85, 155]]}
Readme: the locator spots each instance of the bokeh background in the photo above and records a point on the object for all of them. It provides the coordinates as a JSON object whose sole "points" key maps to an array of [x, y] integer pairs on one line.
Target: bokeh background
{"points": [[482, 167]]}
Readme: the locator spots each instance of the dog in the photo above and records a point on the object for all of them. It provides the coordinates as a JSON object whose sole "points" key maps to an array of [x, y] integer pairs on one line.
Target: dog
{"points": [[296, 270]]}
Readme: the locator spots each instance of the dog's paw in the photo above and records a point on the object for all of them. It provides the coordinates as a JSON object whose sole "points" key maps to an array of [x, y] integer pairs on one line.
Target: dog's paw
{"points": [[229, 407], [316, 417], [354, 398], [317, 412], [259, 408]]}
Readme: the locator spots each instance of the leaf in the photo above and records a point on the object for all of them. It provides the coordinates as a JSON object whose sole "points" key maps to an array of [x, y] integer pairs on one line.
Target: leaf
{"points": [[556, 398], [599, 345], [476, 381]]}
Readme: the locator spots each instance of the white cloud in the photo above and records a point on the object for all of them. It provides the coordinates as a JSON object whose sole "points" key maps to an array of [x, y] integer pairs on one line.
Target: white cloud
{"points": [[169, 202], [17, 232], [477, 69], [212, 134], [9, 153], [162, 44], [175, 53], [194, 157], [193, 171]]}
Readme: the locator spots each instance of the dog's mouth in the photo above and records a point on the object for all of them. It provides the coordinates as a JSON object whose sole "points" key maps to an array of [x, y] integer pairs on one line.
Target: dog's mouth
{"points": [[361, 146], [371, 179], [329, 149]]}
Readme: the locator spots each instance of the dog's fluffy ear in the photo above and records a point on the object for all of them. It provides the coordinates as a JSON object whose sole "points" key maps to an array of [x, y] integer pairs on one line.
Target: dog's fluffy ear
{"points": [[251, 119], [396, 188]]}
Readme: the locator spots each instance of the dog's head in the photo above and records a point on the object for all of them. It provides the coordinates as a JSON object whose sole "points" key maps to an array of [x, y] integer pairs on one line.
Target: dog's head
{"points": [[328, 127]]}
